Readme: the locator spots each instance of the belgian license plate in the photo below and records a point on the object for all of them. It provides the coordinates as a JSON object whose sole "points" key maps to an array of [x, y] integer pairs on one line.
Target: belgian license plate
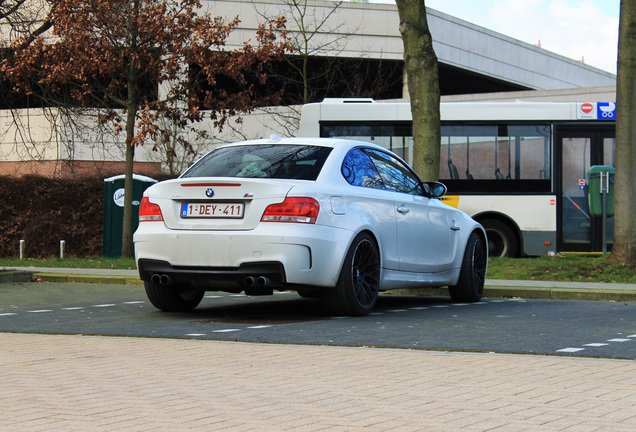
{"points": [[212, 210]]}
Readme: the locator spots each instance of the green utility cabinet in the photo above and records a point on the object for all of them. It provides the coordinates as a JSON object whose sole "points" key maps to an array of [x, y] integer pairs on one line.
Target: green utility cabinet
{"points": [[601, 181], [114, 210]]}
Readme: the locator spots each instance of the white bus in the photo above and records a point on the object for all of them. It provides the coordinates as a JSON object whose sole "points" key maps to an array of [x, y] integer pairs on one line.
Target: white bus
{"points": [[519, 168]]}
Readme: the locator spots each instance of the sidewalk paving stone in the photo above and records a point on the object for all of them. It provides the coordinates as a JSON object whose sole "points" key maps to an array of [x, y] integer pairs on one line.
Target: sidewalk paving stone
{"points": [[79, 383]]}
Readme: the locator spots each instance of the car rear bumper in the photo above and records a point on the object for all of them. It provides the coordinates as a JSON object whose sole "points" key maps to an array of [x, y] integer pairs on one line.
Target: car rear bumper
{"points": [[250, 276], [286, 254]]}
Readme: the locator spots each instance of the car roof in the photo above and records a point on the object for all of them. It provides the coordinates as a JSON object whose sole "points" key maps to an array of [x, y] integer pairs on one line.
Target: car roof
{"points": [[322, 142]]}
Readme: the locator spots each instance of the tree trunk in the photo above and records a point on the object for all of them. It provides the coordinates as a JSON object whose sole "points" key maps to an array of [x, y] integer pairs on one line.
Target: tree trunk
{"points": [[126, 241], [624, 249], [423, 83], [131, 111]]}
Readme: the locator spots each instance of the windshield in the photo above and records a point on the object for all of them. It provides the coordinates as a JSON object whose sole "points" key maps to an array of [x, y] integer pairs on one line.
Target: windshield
{"points": [[280, 161]]}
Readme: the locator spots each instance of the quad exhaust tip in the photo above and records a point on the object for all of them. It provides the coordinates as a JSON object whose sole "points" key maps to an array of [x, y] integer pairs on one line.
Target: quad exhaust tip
{"points": [[258, 281], [162, 279], [263, 281]]}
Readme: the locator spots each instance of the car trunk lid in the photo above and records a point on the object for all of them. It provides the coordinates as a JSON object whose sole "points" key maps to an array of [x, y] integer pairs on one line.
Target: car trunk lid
{"points": [[216, 203]]}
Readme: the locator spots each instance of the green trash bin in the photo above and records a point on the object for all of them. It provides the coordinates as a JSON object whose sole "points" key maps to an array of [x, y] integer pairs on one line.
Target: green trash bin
{"points": [[596, 175], [114, 210]]}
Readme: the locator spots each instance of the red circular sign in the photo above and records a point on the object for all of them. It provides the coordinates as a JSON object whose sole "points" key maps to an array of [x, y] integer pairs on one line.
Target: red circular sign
{"points": [[587, 107]]}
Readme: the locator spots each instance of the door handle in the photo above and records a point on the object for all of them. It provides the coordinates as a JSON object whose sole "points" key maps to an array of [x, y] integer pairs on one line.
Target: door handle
{"points": [[403, 209]]}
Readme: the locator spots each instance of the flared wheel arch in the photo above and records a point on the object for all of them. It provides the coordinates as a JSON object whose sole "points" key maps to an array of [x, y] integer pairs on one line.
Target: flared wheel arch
{"points": [[340, 299]]}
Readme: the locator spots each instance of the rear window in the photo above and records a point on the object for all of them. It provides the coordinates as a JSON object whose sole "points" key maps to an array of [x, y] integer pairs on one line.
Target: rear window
{"points": [[279, 161]]}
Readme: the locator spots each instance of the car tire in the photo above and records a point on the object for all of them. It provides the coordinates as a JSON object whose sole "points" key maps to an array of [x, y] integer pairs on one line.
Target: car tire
{"points": [[356, 291], [310, 293], [502, 241], [174, 297], [470, 286]]}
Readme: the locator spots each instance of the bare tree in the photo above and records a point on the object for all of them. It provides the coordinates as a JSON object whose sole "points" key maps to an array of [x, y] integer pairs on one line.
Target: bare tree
{"points": [[24, 18], [423, 83], [624, 249], [312, 29], [21, 23], [113, 54], [316, 67]]}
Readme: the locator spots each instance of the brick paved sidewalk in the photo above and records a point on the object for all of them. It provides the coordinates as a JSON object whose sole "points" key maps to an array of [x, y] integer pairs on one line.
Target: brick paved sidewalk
{"points": [[80, 383]]}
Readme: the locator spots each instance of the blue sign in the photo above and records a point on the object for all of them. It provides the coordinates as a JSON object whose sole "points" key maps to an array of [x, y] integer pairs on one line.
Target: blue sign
{"points": [[606, 110]]}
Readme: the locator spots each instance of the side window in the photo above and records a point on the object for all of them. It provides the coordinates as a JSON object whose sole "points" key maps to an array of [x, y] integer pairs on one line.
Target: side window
{"points": [[495, 152], [358, 169], [395, 175]]}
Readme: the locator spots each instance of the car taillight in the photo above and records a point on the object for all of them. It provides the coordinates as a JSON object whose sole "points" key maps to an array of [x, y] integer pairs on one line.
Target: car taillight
{"points": [[298, 210], [149, 211]]}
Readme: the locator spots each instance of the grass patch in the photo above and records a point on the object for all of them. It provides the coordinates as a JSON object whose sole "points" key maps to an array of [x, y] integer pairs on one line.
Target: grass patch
{"points": [[557, 268], [561, 268], [71, 262]]}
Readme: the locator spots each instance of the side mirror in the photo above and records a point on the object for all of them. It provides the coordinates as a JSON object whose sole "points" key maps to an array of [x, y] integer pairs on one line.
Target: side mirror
{"points": [[437, 189]]}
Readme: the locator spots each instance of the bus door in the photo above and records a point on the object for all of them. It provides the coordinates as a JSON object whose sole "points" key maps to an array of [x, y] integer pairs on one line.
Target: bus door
{"points": [[579, 148]]}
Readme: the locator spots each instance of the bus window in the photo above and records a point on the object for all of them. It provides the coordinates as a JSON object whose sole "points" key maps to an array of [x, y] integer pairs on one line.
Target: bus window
{"points": [[495, 152], [468, 152]]}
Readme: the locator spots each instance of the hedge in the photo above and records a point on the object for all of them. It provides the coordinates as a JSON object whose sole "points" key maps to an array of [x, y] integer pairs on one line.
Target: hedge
{"points": [[42, 211]]}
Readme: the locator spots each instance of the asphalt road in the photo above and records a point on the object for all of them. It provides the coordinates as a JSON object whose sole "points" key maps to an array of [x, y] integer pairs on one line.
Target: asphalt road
{"points": [[578, 328]]}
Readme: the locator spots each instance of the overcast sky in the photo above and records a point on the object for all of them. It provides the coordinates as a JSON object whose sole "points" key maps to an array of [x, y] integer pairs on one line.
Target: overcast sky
{"points": [[574, 28]]}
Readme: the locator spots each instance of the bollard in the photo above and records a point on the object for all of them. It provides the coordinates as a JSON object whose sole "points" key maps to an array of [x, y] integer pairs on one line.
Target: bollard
{"points": [[62, 248], [22, 249]]}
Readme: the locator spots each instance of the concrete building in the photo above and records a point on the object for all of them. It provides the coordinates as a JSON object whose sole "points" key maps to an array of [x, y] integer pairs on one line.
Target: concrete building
{"points": [[475, 63], [472, 59]]}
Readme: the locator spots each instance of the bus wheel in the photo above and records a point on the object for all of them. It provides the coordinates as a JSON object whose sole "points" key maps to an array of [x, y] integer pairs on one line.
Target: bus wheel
{"points": [[502, 241]]}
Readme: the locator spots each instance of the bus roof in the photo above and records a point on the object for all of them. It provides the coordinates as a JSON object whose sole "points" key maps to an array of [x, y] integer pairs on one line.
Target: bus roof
{"points": [[335, 109]]}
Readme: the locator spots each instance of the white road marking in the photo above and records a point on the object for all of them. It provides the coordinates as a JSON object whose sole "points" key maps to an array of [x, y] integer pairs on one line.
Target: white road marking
{"points": [[571, 350]]}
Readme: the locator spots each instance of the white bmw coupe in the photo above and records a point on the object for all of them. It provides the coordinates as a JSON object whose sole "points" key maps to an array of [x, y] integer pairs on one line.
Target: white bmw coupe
{"points": [[330, 218]]}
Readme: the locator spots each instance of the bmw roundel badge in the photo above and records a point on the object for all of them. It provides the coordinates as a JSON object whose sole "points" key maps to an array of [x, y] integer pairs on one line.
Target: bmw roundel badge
{"points": [[209, 193]]}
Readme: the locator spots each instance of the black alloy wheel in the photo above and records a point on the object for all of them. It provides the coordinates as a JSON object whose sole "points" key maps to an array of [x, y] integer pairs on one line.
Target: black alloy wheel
{"points": [[470, 286], [356, 292]]}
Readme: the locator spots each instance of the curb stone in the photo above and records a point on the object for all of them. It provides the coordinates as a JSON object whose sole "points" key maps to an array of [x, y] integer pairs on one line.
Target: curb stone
{"points": [[535, 292], [81, 278], [8, 276], [492, 289]]}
